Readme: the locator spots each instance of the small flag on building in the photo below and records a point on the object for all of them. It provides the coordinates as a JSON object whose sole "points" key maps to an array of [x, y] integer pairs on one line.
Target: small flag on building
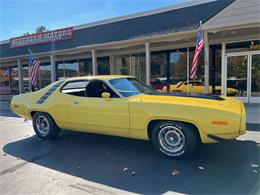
{"points": [[34, 66], [8, 71], [199, 47]]}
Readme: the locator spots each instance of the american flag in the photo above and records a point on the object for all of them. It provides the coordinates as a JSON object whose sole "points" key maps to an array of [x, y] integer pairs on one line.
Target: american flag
{"points": [[8, 71], [199, 47], [34, 66]]}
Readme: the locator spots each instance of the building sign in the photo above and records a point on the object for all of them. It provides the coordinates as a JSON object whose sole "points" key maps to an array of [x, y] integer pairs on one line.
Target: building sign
{"points": [[45, 37]]}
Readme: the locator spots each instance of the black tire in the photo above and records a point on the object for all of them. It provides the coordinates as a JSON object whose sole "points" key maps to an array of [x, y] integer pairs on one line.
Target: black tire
{"points": [[44, 126], [175, 140]]}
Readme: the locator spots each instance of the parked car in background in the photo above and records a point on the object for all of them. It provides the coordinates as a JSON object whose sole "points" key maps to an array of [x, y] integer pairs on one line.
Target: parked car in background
{"points": [[196, 86]]}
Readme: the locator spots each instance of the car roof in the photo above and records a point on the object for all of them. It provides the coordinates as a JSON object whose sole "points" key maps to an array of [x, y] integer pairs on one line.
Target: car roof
{"points": [[100, 77]]}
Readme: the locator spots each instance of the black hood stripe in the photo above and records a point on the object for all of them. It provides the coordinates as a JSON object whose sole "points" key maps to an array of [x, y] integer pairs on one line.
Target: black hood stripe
{"points": [[188, 95]]}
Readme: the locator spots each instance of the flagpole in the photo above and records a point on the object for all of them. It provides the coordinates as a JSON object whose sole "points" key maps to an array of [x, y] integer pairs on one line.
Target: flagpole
{"points": [[206, 60], [188, 70]]}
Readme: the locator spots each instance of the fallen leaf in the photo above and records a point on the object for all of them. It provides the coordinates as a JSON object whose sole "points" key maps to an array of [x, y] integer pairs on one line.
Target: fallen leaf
{"points": [[133, 173], [125, 169], [175, 172], [201, 167], [254, 165], [25, 120]]}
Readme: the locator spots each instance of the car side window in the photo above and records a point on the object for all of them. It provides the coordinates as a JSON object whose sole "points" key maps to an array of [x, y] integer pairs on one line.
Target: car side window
{"points": [[96, 87], [77, 88]]}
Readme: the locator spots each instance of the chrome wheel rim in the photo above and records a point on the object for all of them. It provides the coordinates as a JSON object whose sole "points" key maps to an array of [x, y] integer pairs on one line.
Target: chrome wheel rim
{"points": [[171, 139], [42, 125]]}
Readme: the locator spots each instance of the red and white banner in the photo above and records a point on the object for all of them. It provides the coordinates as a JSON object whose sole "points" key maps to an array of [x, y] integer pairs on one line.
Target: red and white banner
{"points": [[44, 37]]}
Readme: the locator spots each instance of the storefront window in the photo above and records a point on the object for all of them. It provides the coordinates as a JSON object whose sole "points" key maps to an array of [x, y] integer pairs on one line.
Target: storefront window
{"points": [[243, 46], [255, 86], [60, 71], [132, 64], [158, 70], [67, 69], [45, 75], [26, 82], [137, 67], [168, 68], [71, 68], [215, 69], [9, 81], [122, 65], [85, 67], [103, 66], [178, 66]]}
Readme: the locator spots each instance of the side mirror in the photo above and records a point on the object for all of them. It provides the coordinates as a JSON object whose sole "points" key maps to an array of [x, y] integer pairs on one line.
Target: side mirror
{"points": [[105, 95]]}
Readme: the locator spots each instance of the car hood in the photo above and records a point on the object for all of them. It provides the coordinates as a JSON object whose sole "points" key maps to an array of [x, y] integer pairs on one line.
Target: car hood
{"points": [[187, 99]]}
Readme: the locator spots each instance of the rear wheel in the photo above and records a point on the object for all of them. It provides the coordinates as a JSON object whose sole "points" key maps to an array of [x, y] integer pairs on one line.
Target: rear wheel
{"points": [[174, 139], [44, 126]]}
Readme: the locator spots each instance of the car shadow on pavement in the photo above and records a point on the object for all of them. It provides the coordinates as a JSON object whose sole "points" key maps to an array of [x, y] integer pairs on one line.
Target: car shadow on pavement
{"points": [[213, 169]]}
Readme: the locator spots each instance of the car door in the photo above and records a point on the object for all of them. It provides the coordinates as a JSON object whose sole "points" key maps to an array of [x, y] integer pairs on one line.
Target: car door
{"points": [[93, 113]]}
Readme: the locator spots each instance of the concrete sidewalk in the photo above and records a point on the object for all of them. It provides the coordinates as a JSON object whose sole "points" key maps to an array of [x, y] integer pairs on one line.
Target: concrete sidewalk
{"points": [[253, 113]]}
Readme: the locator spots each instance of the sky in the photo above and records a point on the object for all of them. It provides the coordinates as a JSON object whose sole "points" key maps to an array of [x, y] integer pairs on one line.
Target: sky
{"points": [[20, 16]]}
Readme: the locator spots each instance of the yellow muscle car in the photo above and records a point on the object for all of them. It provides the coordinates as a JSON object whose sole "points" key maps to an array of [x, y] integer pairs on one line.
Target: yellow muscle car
{"points": [[197, 87], [122, 106]]}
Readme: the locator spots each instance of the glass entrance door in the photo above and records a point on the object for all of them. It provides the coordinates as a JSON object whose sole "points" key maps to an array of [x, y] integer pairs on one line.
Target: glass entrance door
{"points": [[255, 77], [237, 66], [243, 76]]}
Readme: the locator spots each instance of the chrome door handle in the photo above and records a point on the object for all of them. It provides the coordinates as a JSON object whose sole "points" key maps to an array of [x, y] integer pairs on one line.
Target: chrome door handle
{"points": [[75, 102]]}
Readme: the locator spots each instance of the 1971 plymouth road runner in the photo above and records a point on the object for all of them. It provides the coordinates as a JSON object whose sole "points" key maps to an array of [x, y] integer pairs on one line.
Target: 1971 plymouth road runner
{"points": [[121, 106]]}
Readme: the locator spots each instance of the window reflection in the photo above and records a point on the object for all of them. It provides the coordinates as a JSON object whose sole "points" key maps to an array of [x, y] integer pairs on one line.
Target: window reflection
{"points": [[237, 76], [138, 66], [85, 67], [178, 66], [67, 69], [45, 75], [132, 64], [158, 70], [122, 65], [255, 86], [103, 66], [9, 83], [168, 68], [71, 68], [60, 71], [26, 82]]}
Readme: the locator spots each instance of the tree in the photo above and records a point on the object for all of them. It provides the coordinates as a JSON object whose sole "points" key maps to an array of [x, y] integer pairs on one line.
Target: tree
{"points": [[38, 29]]}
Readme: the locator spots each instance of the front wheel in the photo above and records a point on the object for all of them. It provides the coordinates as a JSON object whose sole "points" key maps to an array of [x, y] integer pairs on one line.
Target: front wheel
{"points": [[44, 126], [174, 139]]}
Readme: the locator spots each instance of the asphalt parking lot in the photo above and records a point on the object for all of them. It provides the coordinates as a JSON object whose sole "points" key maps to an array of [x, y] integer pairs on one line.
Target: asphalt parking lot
{"points": [[81, 163]]}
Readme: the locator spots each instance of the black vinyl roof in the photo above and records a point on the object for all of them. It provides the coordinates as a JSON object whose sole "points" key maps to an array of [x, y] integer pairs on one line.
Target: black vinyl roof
{"points": [[182, 19]]}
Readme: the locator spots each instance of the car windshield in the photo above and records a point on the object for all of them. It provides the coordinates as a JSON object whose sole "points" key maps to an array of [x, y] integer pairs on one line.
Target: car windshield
{"points": [[130, 86]]}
